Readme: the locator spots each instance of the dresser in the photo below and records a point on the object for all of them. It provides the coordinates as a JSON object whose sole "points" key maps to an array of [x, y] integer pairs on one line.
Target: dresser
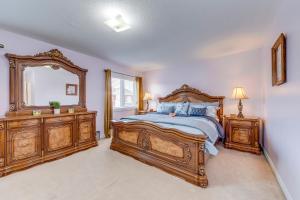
{"points": [[28, 140], [34, 81], [243, 134]]}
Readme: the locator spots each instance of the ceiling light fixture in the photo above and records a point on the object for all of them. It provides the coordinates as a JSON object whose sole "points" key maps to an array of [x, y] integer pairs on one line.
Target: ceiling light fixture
{"points": [[117, 23]]}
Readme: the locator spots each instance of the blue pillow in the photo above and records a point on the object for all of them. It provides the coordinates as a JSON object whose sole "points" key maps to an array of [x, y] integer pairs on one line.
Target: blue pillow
{"points": [[182, 109], [165, 108], [194, 111]]}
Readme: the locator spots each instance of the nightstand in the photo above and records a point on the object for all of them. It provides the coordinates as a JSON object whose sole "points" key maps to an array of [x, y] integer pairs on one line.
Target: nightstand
{"points": [[243, 133]]}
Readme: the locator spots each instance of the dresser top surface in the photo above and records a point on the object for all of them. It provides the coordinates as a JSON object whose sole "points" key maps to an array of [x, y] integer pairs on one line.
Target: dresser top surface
{"points": [[247, 118], [4, 118]]}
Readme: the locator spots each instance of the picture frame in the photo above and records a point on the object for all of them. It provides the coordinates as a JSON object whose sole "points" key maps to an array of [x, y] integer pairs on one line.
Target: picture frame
{"points": [[71, 89], [279, 61]]}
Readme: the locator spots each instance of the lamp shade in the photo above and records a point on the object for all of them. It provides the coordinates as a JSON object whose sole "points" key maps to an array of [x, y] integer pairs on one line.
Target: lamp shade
{"points": [[147, 96], [239, 93]]}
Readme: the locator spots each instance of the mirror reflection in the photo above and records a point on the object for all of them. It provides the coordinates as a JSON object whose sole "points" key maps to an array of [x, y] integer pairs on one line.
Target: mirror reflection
{"points": [[42, 84], [278, 62]]}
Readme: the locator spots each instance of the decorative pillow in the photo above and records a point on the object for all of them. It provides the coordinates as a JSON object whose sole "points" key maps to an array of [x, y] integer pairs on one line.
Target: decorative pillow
{"points": [[182, 108], [203, 105], [166, 108], [194, 111], [211, 111], [195, 105]]}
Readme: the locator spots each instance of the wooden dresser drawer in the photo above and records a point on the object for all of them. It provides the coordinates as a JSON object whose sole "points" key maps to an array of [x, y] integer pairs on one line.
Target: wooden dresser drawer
{"points": [[241, 123], [90, 116], [23, 123], [59, 119], [2, 125], [241, 135]]}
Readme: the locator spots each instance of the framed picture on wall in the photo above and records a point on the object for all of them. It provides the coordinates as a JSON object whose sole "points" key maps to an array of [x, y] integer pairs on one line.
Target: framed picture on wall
{"points": [[71, 89], [279, 61]]}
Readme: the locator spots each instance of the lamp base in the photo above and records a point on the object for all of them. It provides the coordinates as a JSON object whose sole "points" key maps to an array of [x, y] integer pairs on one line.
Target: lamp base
{"points": [[240, 115], [240, 107], [147, 108]]}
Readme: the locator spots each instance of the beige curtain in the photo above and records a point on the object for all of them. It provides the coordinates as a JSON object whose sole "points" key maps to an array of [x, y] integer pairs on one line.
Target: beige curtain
{"points": [[140, 93], [108, 104]]}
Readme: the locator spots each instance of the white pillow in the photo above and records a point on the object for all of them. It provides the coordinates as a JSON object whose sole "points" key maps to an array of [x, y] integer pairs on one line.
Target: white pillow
{"points": [[182, 109], [212, 111], [205, 105]]}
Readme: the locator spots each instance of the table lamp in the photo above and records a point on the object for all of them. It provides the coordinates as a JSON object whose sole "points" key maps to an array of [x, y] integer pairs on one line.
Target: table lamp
{"points": [[147, 98], [239, 94]]}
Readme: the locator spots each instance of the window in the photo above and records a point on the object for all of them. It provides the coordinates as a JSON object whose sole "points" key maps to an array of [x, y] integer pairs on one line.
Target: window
{"points": [[124, 94]]}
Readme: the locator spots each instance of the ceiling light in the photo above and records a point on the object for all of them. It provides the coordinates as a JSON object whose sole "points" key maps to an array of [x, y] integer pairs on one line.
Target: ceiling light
{"points": [[117, 23]]}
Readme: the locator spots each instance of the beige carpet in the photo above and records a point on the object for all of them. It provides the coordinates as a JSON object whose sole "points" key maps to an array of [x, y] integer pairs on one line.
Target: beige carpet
{"points": [[101, 174]]}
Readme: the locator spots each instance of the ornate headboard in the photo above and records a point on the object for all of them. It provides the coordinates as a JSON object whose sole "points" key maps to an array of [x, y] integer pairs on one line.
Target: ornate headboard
{"points": [[188, 94]]}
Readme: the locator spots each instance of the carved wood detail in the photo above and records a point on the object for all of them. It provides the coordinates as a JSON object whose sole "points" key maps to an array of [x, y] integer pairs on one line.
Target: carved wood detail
{"points": [[53, 57], [85, 131], [86, 128], [2, 142], [188, 94], [59, 137], [29, 140], [23, 123], [129, 136], [174, 151], [166, 147], [23, 143], [243, 134], [144, 140]]}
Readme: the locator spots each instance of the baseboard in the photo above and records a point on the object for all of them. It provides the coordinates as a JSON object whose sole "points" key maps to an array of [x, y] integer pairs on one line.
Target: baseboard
{"points": [[278, 177]]}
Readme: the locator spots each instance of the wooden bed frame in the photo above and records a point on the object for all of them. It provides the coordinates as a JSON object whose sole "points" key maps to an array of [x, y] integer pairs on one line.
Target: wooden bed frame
{"points": [[171, 150]]}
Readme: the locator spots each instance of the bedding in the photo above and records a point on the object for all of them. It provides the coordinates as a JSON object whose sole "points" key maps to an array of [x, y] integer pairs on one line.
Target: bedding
{"points": [[182, 108], [211, 108], [166, 108], [200, 125], [197, 111]]}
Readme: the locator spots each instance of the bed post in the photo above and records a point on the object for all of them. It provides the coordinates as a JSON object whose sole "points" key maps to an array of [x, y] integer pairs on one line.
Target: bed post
{"points": [[203, 181]]}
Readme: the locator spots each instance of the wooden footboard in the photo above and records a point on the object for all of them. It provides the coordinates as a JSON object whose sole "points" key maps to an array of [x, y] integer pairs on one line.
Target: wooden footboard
{"points": [[173, 151]]}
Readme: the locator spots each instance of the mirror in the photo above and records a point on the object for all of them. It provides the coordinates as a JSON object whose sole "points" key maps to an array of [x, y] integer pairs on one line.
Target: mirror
{"points": [[47, 76], [279, 61], [42, 84]]}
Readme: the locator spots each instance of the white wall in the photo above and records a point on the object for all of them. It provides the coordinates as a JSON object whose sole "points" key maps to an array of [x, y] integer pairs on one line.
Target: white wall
{"points": [[282, 103], [50, 85], [22, 45], [216, 77]]}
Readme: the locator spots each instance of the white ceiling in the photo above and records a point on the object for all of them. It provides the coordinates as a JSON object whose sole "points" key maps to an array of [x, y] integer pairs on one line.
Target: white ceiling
{"points": [[164, 33]]}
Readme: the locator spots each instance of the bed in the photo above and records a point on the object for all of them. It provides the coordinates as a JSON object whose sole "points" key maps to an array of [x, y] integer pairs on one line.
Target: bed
{"points": [[176, 148]]}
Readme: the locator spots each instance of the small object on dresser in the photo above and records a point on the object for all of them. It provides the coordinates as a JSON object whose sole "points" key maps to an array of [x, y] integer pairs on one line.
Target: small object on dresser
{"points": [[71, 110], [56, 106], [36, 112], [243, 133]]}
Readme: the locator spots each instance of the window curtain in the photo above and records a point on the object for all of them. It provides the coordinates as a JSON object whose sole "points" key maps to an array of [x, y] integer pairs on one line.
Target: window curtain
{"points": [[139, 84], [107, 104]]}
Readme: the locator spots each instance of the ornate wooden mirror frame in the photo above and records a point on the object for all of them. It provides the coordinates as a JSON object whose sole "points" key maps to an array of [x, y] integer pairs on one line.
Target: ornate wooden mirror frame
{"points": [[279, 61], [53, 57]]}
